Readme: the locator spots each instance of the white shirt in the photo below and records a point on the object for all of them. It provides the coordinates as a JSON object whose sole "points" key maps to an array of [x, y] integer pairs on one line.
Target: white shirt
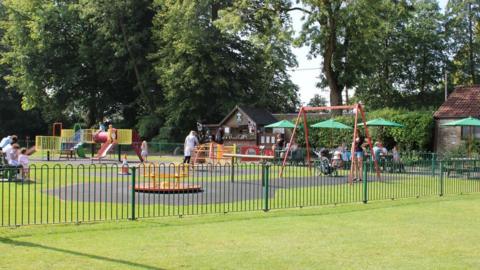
{"points": [[5, 141], [12, 157], [190, 142], [7, 149]]}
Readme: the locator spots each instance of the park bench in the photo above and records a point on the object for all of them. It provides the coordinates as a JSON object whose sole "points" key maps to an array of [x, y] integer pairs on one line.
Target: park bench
{"points": [[7, 172]]}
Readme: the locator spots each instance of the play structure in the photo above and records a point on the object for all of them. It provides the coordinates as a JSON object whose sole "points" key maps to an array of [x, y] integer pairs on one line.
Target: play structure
{"points": [[357, 109], [166, 179], [213, 153], [70, 143]]}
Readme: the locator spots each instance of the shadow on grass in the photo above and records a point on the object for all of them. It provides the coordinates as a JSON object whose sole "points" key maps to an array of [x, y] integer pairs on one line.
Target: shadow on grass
{"points": [[9, 241]]}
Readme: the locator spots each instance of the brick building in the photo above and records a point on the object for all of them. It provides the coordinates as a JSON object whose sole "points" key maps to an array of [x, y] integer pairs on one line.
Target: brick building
{"points": [[462, 103]]}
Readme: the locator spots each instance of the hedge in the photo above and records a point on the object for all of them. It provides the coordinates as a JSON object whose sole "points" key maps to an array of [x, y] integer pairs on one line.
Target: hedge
{"points": [[416, 135]]}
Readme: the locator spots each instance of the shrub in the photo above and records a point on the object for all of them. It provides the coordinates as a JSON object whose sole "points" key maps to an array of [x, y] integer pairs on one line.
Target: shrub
{"points": [[416, 135]]}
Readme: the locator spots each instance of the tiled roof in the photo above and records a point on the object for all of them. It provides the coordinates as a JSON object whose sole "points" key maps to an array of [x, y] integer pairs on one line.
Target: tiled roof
{"points": [[258, 115], [463, 102]]}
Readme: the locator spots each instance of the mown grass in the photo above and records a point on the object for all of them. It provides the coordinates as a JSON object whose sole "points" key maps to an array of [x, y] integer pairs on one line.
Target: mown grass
{"points": [[431, 233]]}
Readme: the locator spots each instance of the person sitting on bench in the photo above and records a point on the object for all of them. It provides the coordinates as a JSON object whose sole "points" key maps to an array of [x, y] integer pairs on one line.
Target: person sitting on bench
{"points": [[12, 155]]}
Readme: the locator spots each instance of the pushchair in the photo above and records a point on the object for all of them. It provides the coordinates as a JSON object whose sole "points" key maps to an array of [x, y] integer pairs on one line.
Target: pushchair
{"points": [[323, 164]]}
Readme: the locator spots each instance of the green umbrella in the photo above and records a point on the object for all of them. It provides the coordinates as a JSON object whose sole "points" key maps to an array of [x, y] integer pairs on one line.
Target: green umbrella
{"points": [[465, 122], [330, 124], [380, 122], [282, 124]]}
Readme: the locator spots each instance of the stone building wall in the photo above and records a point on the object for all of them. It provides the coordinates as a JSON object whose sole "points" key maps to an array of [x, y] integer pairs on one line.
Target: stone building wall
{"points": [[446, 138]]}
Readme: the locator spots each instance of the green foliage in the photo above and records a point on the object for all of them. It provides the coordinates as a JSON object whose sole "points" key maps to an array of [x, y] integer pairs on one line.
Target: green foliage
{"points": [[462, 27], [317, 101], [416, 135], [390, 52], [205, 72], [67, 58], [148, 126]]}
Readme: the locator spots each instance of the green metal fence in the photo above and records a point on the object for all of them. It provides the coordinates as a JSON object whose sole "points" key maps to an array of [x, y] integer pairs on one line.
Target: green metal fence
{"points": [[65, 193]]}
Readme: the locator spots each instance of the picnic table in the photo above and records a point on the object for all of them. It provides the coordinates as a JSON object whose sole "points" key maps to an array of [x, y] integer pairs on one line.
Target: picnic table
{"points": [[462, 166]]}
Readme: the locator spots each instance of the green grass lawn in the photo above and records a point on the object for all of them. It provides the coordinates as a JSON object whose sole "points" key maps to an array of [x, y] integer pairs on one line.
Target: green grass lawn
{"points": [[433, 233]]}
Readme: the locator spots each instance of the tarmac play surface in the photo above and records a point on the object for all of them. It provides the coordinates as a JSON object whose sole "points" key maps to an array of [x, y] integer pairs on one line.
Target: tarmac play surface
{"points": [[212, 191]]}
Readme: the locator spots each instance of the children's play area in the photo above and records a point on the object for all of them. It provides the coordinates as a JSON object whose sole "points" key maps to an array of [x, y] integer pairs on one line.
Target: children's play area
{"points": [[71, 143], [63, 184]]}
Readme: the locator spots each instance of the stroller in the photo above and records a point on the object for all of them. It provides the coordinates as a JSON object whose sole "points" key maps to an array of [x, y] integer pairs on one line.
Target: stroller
{"points": [[323, 163]]}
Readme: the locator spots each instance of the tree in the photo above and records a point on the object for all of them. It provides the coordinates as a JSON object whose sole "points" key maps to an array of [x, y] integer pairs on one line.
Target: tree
{"points": [[322, 31], [389, 52], [68, 59], [206, 69], [462, 25], [317, 101], [399, 64]]}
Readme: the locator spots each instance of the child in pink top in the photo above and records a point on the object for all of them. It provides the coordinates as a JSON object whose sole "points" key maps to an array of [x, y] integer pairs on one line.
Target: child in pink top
{"points": [[23, 161]]}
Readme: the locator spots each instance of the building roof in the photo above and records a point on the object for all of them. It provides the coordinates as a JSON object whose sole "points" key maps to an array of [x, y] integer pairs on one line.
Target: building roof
{"points": [[463, 102], [261, 117]]}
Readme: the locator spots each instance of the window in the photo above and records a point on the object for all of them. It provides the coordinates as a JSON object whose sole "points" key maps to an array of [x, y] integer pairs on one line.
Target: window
{"points": [[466, 132]]}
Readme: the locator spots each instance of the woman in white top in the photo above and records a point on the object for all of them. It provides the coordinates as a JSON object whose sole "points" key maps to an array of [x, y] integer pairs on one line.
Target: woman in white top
{"points": [[190, 142]]}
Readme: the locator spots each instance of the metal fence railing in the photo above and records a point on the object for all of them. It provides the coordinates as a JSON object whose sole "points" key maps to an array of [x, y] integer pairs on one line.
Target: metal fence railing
{"points": [[65, 193]]}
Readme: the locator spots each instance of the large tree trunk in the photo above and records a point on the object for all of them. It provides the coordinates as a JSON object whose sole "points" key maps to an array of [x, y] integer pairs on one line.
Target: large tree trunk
{"points": [[331, 74]]}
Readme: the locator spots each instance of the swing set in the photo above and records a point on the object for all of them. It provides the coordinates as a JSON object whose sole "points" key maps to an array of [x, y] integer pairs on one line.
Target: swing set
{"points": [[357, 109]]}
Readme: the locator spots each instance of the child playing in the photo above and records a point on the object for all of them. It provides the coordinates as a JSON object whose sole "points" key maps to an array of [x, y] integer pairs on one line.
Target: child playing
{"points": [[23, 161], [144, 153]]}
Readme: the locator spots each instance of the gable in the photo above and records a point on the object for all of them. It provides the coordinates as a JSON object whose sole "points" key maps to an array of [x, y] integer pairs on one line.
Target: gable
{"points": [[463, 102]]}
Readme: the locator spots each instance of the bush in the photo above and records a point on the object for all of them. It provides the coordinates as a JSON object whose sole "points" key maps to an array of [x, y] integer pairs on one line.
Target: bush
{"points": [[148, 126], [416, 135]]}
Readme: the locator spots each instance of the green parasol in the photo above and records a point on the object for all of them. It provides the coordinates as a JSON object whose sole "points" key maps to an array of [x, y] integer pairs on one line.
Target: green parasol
{"points": [[330, 124], [380, 122], [465, 122], [281, 124]]}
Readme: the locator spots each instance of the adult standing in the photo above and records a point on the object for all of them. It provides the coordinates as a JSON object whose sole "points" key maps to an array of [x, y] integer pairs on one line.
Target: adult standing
{"points": [[358, 158], [190, 142], [219, 136]]}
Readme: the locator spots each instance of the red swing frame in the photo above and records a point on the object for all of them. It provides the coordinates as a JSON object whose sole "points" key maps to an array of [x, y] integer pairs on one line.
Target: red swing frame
{"points": [[357, 108]]}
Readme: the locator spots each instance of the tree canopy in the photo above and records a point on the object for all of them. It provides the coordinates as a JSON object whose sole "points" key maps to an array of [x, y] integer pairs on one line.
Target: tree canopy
{"points": [[162, 65]]}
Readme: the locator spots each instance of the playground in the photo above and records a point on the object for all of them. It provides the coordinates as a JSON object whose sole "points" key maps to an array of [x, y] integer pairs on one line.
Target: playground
{"points": [[74, 188]]}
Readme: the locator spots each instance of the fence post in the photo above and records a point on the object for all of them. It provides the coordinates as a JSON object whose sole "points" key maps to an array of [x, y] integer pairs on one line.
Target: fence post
{"points": [[119, 149], [365, 180], [441, 179], [265, 183], [232, 173], [433, 164], [134, 172]]}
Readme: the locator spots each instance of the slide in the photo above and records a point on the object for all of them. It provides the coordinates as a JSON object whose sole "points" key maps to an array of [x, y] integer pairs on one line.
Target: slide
{"points": [[80, 151], [137, 144], [102, 153]]}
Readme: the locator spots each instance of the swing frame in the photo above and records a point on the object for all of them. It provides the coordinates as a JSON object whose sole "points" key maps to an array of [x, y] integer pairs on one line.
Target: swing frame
{"points": [[358, 109]]}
